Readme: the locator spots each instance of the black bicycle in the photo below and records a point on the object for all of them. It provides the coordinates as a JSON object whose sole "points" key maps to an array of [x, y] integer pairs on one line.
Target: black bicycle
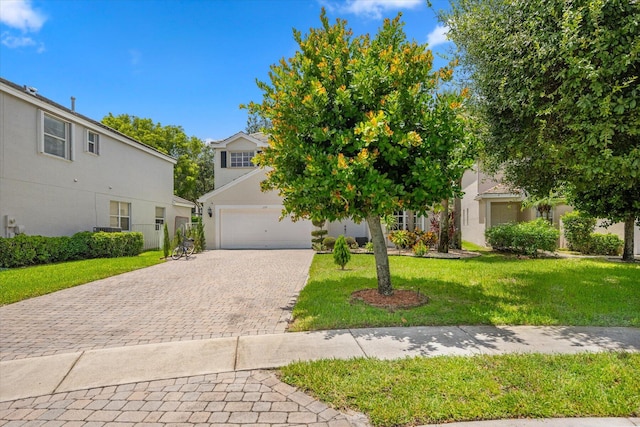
{"points": [[185, 248]]}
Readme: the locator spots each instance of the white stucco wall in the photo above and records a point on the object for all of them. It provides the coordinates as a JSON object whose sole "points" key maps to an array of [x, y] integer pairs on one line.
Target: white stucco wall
{"points": [[472, 215], [52, 196], [223, 176]]}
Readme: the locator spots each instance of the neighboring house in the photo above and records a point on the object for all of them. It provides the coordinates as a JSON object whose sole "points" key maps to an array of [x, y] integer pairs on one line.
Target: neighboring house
{"points": [[487, 202], [61, 173], [238, 215]]}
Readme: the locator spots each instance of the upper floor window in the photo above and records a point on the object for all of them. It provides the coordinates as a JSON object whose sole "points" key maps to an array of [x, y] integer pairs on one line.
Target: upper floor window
{"points": [[242, 159], [56, 136], [93, 142]]}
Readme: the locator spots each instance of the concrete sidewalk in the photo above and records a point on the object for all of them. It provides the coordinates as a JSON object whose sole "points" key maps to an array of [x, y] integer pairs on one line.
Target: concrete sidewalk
{"points": [[27, 380]]}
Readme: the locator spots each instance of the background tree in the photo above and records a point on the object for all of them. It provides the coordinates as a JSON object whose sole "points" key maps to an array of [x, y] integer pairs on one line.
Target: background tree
{"points": [[205, 180], [257, 123], [360, 130], [170, 140], [557, 83]]}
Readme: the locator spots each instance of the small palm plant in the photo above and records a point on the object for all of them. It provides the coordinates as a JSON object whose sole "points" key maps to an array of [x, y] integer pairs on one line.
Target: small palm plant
{"points": [[341, 253]]}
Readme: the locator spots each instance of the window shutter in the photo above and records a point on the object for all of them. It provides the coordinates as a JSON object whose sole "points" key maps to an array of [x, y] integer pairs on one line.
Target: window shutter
{"points": [[223, 159]]}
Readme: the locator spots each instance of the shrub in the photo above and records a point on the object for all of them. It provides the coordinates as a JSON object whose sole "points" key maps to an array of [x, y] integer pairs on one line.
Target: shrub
{"points": [[604, 244], [500, 237], [525, 238], [400, 238], [428, 238], [341, 253], [536, 235], [318, 235], [318, 247], [419, 249], [329, 242], [577, 230], [199, 241], [24, 250], [351, 242], [368, 247], [166, 241]]}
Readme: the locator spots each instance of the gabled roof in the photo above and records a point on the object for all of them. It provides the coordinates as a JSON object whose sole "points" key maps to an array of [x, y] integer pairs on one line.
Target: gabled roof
{"points": [[228, 185], [258, 138], [179, 201], [500, 191]]}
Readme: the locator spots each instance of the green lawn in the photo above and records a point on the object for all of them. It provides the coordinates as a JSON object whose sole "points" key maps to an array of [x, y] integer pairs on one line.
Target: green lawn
{"points": [[446, 389], [491, 289], [17, 284]]}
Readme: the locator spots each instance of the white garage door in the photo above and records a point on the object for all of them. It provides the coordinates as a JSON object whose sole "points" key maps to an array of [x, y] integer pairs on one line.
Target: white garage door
{"points": [[260, 228]]}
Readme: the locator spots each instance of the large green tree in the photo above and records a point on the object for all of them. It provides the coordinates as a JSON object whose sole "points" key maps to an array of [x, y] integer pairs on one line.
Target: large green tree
{"points": [[168, 139], [205, 162], [557, 83], [360, 129], [255, 123]]}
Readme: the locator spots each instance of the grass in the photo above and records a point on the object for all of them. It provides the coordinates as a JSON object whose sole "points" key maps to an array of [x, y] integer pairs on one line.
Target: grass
{"points": [[491, 289], [446, 389], [21, 283]]}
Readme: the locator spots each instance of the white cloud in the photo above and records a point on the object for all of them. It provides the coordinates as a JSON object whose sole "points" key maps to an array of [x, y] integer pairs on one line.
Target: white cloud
{"points": [[20, 14], [13, 42], [438, 36], [376, 8]]}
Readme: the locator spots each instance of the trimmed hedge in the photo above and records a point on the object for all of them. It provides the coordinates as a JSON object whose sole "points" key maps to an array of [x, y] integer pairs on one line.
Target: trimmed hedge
{"points": [[603, 244], [578, 230], [525, 238], [23, 250]]}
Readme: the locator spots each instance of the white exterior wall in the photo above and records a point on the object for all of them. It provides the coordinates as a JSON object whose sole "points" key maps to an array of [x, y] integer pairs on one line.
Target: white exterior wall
{"points": [[52, 196], [473, 211], [223, 176], [476, 214]]}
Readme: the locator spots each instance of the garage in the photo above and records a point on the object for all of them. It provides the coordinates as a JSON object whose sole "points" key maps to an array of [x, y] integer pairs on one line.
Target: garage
{"points": [[261, 228]]}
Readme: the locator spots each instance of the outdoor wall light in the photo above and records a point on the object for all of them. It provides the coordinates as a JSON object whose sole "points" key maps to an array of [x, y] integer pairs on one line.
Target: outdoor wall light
{"points": [[210, 212]]}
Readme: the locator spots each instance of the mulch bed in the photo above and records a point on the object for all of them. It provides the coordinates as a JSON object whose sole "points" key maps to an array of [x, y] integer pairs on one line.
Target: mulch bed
{"points": [[401, 299]]}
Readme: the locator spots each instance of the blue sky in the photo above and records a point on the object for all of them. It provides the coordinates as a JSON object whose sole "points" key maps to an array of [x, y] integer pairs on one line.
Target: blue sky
{"points": [[189, 63]]}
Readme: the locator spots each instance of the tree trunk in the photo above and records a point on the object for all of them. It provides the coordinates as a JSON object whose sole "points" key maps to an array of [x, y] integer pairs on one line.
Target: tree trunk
{"points": [[443, 238], [627, 255], [381, 255], [457, 224], [411, 225]]}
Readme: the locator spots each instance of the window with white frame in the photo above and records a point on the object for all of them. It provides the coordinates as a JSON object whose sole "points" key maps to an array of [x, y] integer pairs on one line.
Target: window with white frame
{"points": [[159, 218], [242, 159], [93, 142], [120, 215], [56, 136]]}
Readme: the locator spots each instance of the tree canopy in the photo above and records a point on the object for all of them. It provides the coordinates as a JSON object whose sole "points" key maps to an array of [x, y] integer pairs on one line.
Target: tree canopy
{"points": [[169, 139], [255, 123], [361, 128], [557, 83]]}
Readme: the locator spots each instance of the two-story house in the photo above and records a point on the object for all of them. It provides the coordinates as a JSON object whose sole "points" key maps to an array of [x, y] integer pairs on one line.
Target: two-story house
{"points": [[487, 202], [62, 172], [238, 215]]}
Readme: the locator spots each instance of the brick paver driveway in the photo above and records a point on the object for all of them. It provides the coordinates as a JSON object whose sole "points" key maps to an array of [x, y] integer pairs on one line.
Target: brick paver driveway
{"points": [[213, 294]]}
